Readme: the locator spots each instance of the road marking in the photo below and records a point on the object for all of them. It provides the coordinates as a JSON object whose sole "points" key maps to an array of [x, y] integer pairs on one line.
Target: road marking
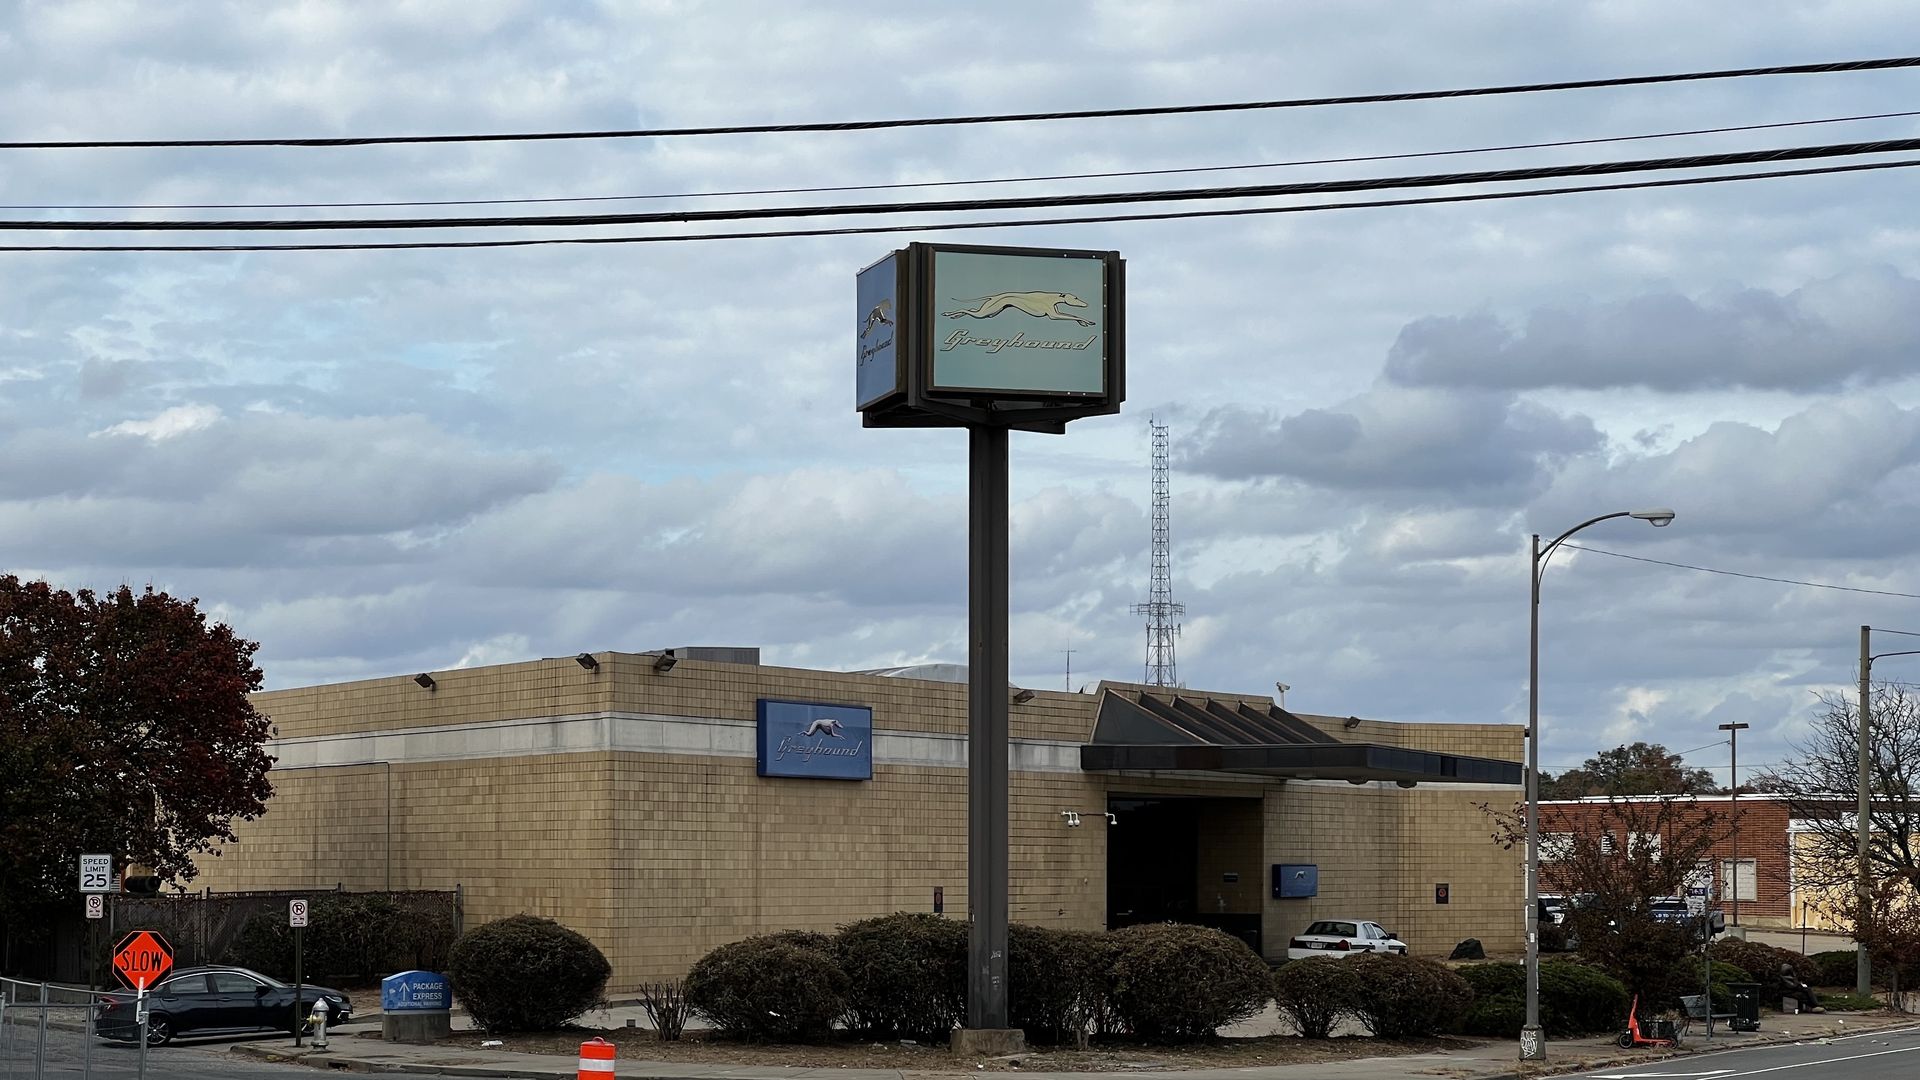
{"points": [[1648, 1076], [1822, 1061], [1640, 1075]]}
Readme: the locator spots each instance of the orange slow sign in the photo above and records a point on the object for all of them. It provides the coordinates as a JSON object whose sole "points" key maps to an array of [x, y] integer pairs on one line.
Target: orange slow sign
{"points": [[142, 959]]}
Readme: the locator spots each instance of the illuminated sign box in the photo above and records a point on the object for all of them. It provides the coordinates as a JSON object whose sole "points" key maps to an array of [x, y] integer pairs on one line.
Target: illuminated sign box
{"points": [[950, 334], [808, 739]]}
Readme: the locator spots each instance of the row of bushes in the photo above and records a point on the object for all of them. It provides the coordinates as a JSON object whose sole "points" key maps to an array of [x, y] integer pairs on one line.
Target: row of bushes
{"points": [[353, 936], [1575, 999], [905, 976]]}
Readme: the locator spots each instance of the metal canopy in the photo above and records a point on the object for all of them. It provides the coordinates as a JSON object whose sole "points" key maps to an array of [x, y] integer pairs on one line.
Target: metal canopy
{"points": [[1187, 733]]}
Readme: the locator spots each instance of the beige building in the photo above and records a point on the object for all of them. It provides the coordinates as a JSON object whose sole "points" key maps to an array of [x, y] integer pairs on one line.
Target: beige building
{"points": [[637, 799]]}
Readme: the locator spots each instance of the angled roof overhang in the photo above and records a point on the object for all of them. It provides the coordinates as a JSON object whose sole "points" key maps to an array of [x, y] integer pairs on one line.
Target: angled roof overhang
{"points": [[1146, 732]]}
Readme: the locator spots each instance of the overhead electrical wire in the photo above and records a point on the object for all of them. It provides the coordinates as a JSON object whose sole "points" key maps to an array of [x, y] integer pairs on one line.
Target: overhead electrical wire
{"points": [[853, 230], [1025, 202], [908, 184], [999, 118], [1753, 577]]}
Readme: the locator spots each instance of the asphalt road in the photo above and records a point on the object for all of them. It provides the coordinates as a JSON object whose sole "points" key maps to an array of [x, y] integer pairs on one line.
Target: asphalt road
{"points": [[1881, 1055], [68, 1056]]}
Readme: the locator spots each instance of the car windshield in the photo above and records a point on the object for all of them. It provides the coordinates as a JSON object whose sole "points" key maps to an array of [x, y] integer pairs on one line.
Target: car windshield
{"points": [[1332, 929]]}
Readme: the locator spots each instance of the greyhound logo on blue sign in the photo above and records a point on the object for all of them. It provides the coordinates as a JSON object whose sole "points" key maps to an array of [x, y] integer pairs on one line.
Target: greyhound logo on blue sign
{"points": [[808, 739]]}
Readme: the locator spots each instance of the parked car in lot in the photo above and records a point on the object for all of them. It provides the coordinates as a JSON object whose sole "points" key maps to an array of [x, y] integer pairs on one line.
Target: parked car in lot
{"points": [[215, 1001], [1335, 938], [1674, 909]]}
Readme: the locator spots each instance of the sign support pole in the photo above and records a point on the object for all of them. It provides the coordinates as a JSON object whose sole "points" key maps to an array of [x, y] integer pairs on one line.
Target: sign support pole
{"points": [[140, 1010], [987, 727], [297, 980]]}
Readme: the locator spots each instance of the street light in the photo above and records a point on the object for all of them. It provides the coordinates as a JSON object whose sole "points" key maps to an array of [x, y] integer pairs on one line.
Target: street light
{"points": [[1733, 785], [1533, 1042]]}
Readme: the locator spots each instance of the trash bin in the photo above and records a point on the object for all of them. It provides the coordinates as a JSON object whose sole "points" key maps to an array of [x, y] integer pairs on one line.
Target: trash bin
{"points": [[1746, 1006]]}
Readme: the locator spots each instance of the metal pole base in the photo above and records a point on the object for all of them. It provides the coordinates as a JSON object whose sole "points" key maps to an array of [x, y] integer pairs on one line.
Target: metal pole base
{"points": [[1533, 1044]]}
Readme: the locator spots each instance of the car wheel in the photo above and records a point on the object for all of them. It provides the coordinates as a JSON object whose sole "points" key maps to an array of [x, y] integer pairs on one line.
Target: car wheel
{"points": [[159, 1030]]}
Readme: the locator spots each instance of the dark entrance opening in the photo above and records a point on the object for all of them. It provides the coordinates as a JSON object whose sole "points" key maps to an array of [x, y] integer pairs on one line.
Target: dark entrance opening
{"points": [[1186, 860]]}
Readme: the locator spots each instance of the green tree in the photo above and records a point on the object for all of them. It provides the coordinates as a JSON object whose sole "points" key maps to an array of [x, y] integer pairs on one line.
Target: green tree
{"points": [[1635, 769], [125, 728]]}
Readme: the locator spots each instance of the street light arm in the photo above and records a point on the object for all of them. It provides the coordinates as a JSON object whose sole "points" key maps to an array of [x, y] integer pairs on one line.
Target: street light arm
{"points": [[1547, 550], [1903, 652]]}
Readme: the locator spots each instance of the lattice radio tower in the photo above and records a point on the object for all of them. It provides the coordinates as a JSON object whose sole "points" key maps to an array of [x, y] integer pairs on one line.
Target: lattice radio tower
{"points": [[1162, 613]]}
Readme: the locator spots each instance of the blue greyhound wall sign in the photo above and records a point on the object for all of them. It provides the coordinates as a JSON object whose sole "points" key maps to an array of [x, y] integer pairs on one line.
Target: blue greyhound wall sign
{"points": [[816, 741]]}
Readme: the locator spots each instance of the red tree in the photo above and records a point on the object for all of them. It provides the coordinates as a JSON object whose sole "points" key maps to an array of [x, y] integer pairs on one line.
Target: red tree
{"points": [[125, 728]]}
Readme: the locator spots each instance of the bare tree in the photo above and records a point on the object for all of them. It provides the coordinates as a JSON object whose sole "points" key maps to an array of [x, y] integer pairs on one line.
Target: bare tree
{"points": [[1822, 788], [1617, 856]]}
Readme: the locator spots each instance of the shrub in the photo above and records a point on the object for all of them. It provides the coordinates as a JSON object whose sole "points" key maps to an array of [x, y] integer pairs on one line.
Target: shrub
{"points": [[1178, 983], [1316, 994], [1762, 962], [774, 987], [1579, 1000], [907, 975], [526, 973], [1574, 999], [1849, 1002], [1055, 981], [354, 936], [1835, 968], [1403, 997]]}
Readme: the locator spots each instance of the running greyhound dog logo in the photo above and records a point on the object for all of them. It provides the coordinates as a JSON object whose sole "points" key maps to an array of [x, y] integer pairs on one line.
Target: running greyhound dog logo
{"points": [[881, 315], [823, 726], [1040, 305]]}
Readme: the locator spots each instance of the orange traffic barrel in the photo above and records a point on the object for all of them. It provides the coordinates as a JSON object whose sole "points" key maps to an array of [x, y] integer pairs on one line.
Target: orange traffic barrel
{"points": [[596, 1060]]}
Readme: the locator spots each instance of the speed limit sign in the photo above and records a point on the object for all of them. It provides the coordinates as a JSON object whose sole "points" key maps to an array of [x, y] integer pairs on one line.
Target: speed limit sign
{"points": [[296, 913], [96, 873]]}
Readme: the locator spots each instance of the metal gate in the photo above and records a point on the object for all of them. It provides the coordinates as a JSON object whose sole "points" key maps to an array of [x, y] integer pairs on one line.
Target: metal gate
{"points": [[50, 1032]]}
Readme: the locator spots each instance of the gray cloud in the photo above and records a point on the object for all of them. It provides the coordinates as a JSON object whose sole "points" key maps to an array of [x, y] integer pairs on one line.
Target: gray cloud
{"points": [[1447, 445], [1862, 326]]}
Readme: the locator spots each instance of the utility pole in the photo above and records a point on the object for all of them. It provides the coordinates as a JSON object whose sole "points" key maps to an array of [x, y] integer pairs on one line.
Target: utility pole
{"points": [[1733, 785], [1863, 965]]}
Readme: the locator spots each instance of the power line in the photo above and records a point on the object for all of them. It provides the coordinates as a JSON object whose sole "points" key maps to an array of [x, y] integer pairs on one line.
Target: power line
{"points": [[1754, 577], [1000, 118], [1112, 175], [1244, 191], [868, 230]]}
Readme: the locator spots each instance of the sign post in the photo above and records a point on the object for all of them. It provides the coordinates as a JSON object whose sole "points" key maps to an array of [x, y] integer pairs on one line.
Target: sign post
{"points": [[297, 919], [991, 339]]}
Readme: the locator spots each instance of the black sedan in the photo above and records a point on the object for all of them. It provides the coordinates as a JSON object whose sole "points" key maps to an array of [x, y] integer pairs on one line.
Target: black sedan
{"points": [[216, 1001]]}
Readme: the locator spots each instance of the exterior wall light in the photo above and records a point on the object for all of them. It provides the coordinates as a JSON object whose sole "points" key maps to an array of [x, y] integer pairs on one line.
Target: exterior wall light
{"points": [[664, 662], [425, 680], [587, 661]]}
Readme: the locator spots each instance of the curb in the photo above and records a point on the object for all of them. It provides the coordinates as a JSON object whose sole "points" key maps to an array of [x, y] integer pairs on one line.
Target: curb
{"points": [[347, 1064]]}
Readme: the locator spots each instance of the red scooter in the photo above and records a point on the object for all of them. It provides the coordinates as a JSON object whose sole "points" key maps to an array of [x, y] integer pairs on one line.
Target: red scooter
{"points": [[1663, 1035]]}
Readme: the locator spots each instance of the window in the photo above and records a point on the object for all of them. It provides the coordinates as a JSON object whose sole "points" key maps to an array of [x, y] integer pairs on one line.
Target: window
{"points": [[1556, 846], [232, 982], [1333, 929], [1606, 842], [1644, 842], [1742, 885], [186, 984]]}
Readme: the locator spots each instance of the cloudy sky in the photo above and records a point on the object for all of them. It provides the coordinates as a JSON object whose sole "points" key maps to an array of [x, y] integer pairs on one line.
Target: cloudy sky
{"points": [[377, 463]]}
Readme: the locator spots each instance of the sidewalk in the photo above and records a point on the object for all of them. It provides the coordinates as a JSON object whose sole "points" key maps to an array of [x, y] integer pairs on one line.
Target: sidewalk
{"points": [[1487, 1061]]}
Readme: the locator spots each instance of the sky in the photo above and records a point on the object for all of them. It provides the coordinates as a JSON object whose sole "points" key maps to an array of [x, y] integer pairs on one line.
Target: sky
{"points": [[376, 463]]}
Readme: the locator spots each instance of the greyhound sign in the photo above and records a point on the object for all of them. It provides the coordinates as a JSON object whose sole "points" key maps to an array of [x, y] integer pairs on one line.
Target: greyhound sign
{"points": [[807, 739], [954, 335]]}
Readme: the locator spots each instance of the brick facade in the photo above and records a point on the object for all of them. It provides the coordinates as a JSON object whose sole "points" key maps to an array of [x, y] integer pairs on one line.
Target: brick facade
{"points": [[618, 801], [1759, 835]]}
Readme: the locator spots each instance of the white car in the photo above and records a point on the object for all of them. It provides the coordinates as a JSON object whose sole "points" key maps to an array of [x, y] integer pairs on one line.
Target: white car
{"points": [[1335, 938]]}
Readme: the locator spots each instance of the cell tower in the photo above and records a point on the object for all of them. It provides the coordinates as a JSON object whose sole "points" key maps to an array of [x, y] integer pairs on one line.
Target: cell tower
{"points": [[1162, 613]]}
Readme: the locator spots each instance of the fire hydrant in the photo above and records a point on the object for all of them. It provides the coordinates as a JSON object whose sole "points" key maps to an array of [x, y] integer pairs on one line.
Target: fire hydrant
{"points": [[318, 1018]]}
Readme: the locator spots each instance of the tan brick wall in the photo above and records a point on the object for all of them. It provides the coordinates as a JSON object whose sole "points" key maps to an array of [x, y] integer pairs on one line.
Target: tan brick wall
{"points": [[659, 858]]}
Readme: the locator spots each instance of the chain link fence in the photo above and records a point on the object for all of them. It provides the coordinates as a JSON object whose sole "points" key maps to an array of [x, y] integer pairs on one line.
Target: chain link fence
{"points": [[49, 1031]]}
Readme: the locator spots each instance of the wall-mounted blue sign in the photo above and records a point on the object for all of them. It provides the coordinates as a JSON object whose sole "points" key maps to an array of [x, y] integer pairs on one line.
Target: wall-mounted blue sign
{"points": [[414, 991], [826, 742], [878, 368], [1295, 879]]}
